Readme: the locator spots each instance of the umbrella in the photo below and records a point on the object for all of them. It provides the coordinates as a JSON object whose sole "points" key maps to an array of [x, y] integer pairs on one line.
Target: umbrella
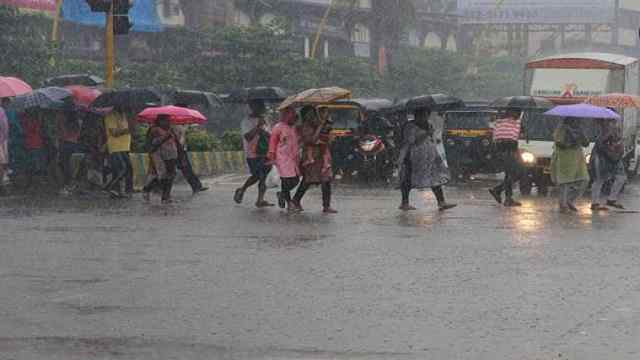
{"points": [[615, 100], [583, 111], [193, 97], [521, 103], [43, 98], [264, 93], [10, 87], [74, 79], [83, 96], [128, 99], [315, 97], [177, 115], [435, 102]]}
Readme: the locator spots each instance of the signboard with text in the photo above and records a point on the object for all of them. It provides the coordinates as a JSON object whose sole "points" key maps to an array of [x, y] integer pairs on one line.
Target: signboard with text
{"points": [[536, 11]]}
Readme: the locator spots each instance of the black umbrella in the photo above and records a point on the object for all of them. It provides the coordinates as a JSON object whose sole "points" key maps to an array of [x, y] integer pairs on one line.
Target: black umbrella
{"points": [[194, 97], [521, 103], [128, 99], [435, 102], [44, 98], [264, 93], [74, 79]]}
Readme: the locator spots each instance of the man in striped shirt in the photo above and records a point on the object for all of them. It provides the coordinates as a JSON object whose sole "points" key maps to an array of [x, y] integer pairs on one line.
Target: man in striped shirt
{"points": [[506, 133]]}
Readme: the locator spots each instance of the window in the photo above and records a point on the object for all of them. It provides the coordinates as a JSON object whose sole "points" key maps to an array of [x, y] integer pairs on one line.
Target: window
{"points": [[360, 34]]}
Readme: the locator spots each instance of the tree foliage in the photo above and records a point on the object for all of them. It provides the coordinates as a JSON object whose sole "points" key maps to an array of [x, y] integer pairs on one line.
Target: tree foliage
{"points": [[225, 58]]}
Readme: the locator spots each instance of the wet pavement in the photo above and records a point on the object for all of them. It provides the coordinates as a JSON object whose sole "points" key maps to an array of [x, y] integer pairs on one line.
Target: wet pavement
{"points": [[207, 279]]}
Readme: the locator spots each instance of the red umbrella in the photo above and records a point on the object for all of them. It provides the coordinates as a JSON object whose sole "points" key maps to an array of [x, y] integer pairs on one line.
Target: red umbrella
{"points": [[177, 115], [10, 87], [83, 96]]}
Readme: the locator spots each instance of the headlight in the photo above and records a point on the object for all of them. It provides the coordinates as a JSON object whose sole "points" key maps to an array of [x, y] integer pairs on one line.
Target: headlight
{"points": [[528, 158], [588, 158], [367, 146], [451, 142]]}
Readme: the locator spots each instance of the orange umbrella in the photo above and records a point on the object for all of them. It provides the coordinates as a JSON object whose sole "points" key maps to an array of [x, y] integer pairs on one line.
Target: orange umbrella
{"points": [[83, 96], [615, 100], [315, 97]]}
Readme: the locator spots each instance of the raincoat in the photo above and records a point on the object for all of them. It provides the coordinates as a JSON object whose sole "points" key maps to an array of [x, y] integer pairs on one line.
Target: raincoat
{"points": [[284, 149], [568, 164], [420, 163]]}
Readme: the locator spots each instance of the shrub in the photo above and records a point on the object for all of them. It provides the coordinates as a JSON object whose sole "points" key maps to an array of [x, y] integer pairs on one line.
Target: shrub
{"points": [[232, 140], [201, 140]]}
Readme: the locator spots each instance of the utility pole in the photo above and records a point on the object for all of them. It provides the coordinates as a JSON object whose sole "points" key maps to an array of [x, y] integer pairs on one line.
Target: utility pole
{"points": [[109, 55], [321, 27]]}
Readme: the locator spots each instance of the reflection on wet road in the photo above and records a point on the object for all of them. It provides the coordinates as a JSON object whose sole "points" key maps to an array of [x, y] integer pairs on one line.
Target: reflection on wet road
{"points": [[208, 279]]}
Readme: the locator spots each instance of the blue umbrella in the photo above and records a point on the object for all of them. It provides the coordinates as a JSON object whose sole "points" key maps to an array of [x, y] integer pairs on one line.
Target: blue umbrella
{"points": [[584, 111]]}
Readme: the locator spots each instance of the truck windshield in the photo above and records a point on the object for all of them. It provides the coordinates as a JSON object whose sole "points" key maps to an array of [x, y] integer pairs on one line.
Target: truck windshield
{"points": [[538, 127], [469, 120]]}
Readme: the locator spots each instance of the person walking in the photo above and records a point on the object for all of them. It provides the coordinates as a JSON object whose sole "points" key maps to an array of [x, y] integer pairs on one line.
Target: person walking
{"points": [[4, 149], [506, 134], [183, 163], [316, 158], [34, 144], [285, 153], [163, 153], [118, 146], [255, 138], [69, 132], [607, 165], [420, 163], [568, 164]]}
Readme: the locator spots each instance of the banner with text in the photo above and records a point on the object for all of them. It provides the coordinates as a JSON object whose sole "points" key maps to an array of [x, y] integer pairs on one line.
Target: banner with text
{"points": [[536, 11]]}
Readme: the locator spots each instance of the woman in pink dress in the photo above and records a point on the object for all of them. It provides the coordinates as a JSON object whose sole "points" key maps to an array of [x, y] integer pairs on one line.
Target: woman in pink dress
{"points": [[284, 152]]}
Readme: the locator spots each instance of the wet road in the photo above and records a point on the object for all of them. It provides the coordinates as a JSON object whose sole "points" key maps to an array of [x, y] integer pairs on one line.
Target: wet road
{"points": [[208, 279]]}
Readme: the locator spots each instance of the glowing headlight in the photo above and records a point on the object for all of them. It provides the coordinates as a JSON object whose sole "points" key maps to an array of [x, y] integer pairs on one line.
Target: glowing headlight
{"points": [[367, 146], [588, 158], [528, 158]]}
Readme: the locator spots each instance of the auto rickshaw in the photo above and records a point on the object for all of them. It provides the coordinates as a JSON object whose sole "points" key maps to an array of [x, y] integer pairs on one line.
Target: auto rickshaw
{"points": [[468, 141], [363, 139]]}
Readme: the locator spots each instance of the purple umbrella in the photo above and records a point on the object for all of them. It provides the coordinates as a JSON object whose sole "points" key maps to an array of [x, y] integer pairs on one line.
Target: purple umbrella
{"points": [[583, 111]]}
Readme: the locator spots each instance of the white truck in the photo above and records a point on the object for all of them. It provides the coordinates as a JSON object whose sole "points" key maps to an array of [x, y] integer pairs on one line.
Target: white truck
{"points": [[570, 79]]}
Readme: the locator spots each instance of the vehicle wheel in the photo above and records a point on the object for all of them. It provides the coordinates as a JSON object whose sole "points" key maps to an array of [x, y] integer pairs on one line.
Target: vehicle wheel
{"points": [[525, 187]]}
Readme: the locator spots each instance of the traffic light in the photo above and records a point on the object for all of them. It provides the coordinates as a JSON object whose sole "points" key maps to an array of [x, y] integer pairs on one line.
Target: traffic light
{"points": [[121, 22]]}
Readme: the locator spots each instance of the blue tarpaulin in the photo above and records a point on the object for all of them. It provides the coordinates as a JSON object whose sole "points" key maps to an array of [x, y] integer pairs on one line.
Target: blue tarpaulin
{"points": [[143, 15]]}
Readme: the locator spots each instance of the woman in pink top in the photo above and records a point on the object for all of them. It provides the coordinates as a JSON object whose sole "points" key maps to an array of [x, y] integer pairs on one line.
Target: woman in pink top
{"points": [[284, 151]]}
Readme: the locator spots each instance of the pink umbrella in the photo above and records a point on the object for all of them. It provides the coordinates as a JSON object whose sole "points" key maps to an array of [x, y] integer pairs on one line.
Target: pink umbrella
{"points": [[10, 87], [83, 96], [177, 115]]}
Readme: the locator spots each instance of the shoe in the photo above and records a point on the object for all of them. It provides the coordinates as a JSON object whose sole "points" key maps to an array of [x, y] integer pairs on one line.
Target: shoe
{"points": [[263, 204], [237, 197], [115, 195], [167, 201], [407, 208], [445, 206], [511, 203], [329, 211], [297, 205], [281, 202], [292, 209], [615, 204], [496, 195], [204, 188], [598, 207], [572, 208]]}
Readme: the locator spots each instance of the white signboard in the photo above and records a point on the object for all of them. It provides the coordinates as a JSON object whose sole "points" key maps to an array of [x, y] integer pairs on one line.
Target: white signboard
{"points": [[569, 83], [536, 11]]}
